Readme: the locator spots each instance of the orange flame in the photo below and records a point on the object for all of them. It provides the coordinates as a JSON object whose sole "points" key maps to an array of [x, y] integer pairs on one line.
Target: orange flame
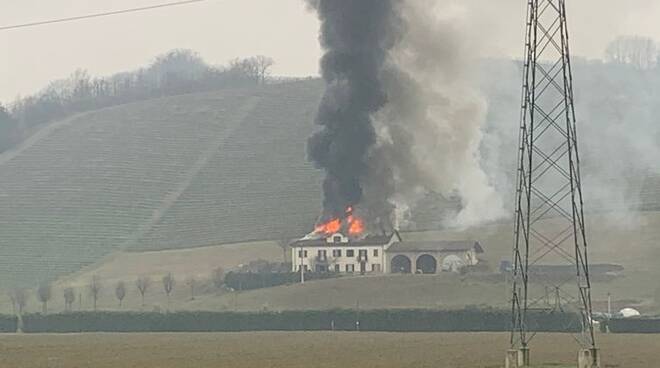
{"points": [[329, 227], [355, 225]]}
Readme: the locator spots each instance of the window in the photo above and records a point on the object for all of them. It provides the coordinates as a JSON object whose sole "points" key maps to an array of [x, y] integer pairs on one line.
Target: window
{"points": [[322, 253], [363, 254], [336, 239], [336, 252], [350, 253], [337, 269], [375, 252], [375, 267], [302, 254], [350, 268]]}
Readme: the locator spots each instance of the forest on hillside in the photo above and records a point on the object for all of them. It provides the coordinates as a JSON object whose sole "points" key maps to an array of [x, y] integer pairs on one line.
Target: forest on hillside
{"points": [[176, 72]]}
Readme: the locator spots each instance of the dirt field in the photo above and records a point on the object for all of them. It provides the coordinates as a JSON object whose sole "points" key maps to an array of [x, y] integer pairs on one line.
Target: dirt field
{"points": [[307, 349]]}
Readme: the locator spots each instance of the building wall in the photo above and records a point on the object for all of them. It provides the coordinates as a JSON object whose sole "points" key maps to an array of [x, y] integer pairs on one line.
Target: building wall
{"points": [[312, 257], [469, 257]]}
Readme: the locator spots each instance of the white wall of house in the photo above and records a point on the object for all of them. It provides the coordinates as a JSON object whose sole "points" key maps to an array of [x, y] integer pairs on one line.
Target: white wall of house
{"points": [[339, 255]]}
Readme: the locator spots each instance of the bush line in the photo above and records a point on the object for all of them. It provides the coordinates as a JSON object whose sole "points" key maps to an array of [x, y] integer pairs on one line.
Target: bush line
{"points": [[633, 325], [394, 320]]}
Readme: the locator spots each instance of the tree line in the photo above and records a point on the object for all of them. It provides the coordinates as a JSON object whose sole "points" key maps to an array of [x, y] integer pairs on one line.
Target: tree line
{"points": [[175, 72], [143, 285]]}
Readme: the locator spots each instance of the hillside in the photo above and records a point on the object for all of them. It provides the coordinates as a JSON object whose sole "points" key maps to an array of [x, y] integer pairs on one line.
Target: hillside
{"points": [[224, 164], [230, 166]]}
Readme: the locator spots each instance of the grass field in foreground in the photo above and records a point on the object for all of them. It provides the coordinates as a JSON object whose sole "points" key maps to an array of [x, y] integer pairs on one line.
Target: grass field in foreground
{"points": [[305, 349]]}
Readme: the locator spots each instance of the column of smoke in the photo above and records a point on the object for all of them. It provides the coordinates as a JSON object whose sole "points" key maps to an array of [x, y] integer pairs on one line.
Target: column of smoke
{"points": [[356, 36], [400, 117]]}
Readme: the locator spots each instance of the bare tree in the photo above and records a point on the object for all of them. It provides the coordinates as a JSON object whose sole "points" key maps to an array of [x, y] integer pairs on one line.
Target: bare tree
{"points": [[168, 286], [191, 282], [120, 292], [142, 283], [248, 68], [69, 298], [95, 289], [262, 65], [218, 277], [19, 299], [44, 293]]}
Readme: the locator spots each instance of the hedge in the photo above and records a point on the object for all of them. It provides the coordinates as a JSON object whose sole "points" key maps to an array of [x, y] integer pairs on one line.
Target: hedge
{"points": [[8, 323], [634, 325], [340, 319], [254, 280]]}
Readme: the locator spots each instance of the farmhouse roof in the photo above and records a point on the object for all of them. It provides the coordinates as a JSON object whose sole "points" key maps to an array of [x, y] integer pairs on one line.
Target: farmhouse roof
{"points": [[322, 242], [436, 246]]}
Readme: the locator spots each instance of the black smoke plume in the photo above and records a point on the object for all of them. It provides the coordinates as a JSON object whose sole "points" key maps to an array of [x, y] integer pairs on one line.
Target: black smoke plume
{"points": [[356, 36]]}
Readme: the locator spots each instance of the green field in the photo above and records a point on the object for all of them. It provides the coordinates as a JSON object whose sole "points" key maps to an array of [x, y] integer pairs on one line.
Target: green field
{"points": [[304, 349]]}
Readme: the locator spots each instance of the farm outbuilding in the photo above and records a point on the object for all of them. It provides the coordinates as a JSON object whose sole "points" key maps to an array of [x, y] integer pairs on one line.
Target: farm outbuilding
{"points": [[432, 256]]}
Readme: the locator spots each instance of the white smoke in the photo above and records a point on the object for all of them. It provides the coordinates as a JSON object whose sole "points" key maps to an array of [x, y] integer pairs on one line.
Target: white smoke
{"points": [[430, 131]]}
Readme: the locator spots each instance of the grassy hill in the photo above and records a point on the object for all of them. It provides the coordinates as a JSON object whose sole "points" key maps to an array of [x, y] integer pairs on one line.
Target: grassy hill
{"points": [[227, 165]]}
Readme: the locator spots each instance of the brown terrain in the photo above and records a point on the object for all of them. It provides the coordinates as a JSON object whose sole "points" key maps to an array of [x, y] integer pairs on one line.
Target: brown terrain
{"points": [[306, 349]]}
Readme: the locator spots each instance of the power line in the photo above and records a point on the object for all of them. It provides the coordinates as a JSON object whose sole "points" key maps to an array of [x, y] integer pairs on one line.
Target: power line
{"points": [[98, 15]]}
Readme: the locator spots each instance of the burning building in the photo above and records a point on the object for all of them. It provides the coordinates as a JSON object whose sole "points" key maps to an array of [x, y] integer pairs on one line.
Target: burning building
{"points": [[394, 126], [343, 245]]}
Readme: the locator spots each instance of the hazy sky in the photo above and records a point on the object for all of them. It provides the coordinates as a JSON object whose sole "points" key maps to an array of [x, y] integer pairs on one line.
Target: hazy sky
{"points": [[223, 29]]}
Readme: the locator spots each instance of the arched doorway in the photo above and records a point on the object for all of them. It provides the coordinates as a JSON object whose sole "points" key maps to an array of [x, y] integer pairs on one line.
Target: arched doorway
{"points": [[426, 264], [400, 264]]}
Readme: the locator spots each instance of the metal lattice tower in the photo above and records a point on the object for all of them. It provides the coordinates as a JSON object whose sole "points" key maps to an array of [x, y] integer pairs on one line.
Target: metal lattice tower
{"points": [[549, 220]]}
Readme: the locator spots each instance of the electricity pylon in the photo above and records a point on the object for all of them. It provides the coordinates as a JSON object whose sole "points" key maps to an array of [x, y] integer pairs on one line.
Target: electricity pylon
{"points": [[549, 219]]}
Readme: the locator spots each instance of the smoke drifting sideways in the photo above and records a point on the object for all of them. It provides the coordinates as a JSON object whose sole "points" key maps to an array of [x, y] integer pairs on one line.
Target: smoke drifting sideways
{"points": [[400, 117]]}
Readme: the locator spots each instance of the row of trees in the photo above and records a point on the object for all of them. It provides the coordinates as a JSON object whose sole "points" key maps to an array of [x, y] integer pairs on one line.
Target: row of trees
{"points": [[44, 292], [175, 72]]}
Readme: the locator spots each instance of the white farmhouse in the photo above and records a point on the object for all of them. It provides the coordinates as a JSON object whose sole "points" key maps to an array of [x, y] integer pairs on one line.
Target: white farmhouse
{"points": [[381, 254]]}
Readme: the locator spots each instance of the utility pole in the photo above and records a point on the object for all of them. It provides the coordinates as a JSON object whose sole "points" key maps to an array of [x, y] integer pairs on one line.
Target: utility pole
{"points": [[302, 265], [549, 219]]}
